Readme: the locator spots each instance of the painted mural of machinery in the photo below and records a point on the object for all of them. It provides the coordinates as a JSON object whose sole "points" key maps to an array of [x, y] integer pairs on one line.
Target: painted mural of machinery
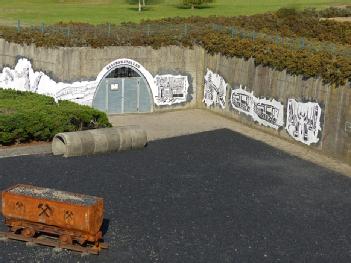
{"points": [[303, 119], [242, 101], [171, 88], [267, 112], [214, 93], [53, 218], [215, 90]]}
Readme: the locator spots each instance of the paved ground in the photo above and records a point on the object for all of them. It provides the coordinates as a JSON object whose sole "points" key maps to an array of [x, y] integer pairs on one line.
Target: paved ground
{"points": [[176, 123], [210, 197], [170, 124]]}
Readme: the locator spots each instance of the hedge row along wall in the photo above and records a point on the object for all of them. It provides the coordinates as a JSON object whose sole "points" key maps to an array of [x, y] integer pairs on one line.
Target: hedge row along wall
{"points": [[261, 84]]}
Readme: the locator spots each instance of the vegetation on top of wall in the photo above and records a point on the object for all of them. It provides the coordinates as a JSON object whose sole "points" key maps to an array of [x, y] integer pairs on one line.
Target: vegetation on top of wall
{"points": [[221, 34], [334, 12], [285, 22], [26, 117], [332, 69]]}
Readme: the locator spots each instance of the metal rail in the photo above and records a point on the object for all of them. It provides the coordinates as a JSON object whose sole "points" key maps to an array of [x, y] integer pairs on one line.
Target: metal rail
{"points": [[46, 241]]}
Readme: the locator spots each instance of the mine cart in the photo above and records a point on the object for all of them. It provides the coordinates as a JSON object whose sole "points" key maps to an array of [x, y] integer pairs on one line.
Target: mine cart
{"points": [[55, 218]]}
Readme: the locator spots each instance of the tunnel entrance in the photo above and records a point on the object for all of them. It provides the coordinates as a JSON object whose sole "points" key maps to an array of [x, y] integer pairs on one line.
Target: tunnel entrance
{"points": [[123, 90]]}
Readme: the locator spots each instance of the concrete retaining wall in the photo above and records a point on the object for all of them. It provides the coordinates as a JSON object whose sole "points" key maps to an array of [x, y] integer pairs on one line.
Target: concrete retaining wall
{"points": [[77, 64], [69, 64], [335, 138]]}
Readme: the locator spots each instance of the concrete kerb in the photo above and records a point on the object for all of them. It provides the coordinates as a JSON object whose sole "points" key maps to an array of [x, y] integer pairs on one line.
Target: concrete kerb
{"points": [[44, 148]]}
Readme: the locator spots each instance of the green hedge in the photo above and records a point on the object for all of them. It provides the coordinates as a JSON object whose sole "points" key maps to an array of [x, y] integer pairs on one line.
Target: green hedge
{"points": [[26, 117]]}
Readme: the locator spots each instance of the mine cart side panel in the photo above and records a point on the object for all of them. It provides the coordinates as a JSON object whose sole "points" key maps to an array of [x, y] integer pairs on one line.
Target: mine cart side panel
{"points": [[60, 214], [97, 215]]}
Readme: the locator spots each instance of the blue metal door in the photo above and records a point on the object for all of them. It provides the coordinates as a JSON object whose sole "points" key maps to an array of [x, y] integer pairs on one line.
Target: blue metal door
{"points": [[126, 94]]}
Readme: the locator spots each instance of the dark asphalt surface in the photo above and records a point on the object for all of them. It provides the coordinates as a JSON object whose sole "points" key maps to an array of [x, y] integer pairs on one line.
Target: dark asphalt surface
{"points": [[211, 197]]}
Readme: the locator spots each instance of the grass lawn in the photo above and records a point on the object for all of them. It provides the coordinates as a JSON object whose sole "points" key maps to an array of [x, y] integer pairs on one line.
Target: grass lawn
{"points": [[117, 11]]}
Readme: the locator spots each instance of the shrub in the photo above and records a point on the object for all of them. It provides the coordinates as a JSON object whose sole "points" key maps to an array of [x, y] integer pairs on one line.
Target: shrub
{"points": [[26, 117]]}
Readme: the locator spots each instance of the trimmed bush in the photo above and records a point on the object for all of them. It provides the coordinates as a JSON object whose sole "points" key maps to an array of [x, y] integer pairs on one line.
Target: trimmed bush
{"points": [[26, 116]]}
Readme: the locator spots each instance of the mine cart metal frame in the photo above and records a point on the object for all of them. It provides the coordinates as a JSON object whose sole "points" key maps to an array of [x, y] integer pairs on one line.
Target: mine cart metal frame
{"points": [[51, 222]]}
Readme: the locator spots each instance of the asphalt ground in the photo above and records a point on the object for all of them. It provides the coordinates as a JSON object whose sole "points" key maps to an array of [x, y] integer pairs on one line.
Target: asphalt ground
{"points": [[210, 197]]}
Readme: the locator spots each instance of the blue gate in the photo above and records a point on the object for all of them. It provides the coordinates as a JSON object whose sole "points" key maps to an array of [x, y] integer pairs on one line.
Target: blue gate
{"points": [[123, 90]]}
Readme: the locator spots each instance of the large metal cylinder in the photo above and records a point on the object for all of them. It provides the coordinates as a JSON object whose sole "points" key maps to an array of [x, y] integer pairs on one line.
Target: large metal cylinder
{"points": [[99, 141]]}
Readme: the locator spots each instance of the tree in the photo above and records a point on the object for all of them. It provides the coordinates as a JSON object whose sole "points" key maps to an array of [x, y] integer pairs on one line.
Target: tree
{"points": [[141, 5]]}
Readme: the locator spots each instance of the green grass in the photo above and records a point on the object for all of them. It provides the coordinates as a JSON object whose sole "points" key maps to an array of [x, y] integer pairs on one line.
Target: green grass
{"points": [[117, 11]]}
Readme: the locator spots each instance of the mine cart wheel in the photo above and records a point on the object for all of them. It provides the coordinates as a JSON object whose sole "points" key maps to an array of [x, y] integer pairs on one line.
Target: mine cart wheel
{"points": [[66, 239], [28, 232], [14, 229], [82, 241]]}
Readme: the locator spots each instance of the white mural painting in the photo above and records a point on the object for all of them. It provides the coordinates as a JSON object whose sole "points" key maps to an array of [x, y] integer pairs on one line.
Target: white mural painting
{"points": [[303, 121], [269, 113], [266, 112], [171, 89], [215, 90], [24, 78], [242, 100], [166, 89], [79, 92]]}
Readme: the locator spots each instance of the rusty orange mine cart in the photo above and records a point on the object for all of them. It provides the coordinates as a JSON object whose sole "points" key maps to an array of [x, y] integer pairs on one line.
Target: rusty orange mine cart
{"points": [[54, 218]]}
